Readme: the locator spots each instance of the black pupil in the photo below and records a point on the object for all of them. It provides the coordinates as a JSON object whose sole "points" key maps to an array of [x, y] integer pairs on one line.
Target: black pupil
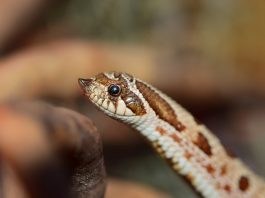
{"points": [[114, 90]]}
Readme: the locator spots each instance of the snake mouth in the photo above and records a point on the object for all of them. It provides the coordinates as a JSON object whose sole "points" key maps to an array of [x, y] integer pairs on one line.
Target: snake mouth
{"points": [[91, 90]]}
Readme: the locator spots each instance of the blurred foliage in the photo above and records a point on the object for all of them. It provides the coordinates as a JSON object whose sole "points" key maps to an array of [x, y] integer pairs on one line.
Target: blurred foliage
{"points": [[226, 34], [121, 19], [124, 19]]}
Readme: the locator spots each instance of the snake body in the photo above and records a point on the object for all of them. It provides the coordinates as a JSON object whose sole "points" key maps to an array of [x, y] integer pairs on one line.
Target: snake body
{"points": [[191, 149]]}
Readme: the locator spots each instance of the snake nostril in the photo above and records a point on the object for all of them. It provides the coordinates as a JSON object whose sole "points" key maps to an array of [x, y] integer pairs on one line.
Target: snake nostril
{"points": [[84, 82]]}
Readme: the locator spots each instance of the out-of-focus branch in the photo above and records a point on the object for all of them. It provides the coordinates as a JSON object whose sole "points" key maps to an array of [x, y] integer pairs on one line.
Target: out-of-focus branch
{"points": [[34, 72], [49, 152]]}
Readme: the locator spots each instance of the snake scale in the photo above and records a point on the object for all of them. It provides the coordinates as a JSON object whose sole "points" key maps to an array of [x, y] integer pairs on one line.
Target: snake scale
{"points": [[191, 149]]}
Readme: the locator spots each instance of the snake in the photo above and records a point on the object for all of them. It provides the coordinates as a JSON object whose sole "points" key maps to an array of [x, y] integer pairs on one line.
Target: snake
{"points": [[187, 145]]}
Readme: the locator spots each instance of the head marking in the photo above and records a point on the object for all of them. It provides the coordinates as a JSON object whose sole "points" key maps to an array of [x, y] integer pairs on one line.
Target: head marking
{"points": [[163, 110], [113, 92]]}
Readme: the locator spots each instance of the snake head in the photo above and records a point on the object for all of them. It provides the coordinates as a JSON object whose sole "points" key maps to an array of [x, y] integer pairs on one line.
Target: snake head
{"points": [[114, 93]]}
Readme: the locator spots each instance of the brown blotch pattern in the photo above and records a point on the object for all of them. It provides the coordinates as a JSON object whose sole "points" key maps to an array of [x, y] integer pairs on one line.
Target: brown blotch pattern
{"points": [[210, 169], [243, 183], [188, 155], [179, 126], [161, 130], [160, 106], [164, 132], [203, 144], [175, 138], [227, 188], [223, 170]]}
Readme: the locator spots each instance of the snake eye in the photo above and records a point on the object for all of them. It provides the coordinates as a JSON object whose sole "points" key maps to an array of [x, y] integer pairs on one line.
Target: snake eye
{"points": [[114, 90]]}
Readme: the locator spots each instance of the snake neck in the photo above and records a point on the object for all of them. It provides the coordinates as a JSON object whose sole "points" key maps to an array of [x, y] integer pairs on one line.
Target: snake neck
{"points": [[192, 150]]}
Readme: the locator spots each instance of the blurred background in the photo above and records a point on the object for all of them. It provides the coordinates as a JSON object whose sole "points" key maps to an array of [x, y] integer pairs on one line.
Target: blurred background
{"points": [[207, 55]]}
